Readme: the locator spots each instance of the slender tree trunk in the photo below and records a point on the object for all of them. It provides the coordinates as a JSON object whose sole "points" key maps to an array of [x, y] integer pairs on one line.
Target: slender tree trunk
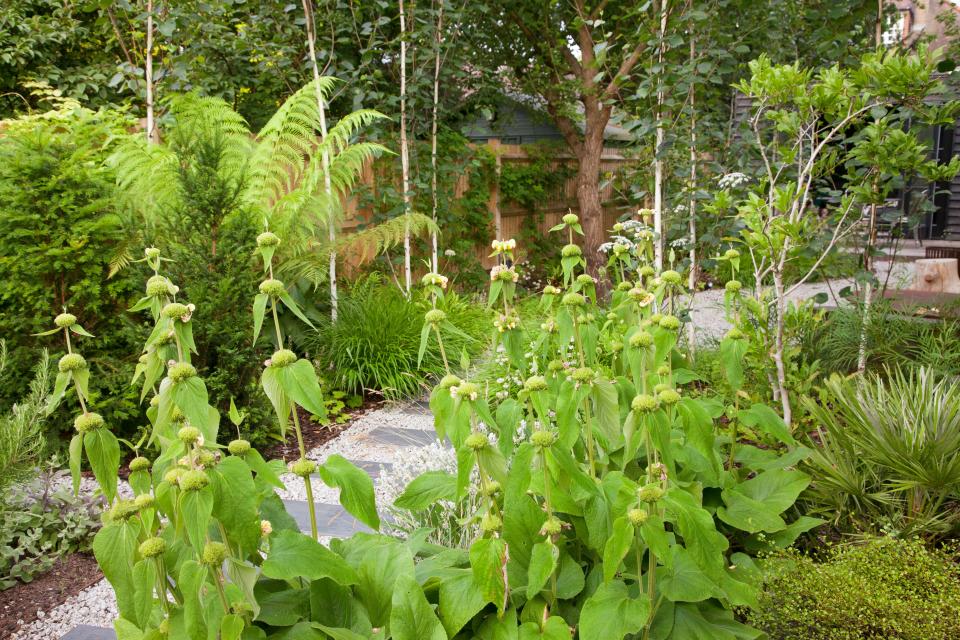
{"points": [[778, 348], [588, 199], [152, 134], [325, 158], [433, 132], [658, 160], [404, 157], [692, 206]]}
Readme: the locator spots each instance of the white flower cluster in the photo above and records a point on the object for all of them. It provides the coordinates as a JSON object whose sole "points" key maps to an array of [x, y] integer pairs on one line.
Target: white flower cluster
{"points": [[500, 269], [617, 244], [450, 253], [436, 279], [505, 323], [501, 246], [680, 243], [733, 180]]}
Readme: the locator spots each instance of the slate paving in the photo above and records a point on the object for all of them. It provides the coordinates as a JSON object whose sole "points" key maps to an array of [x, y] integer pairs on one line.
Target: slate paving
{"points": [[86, 632], [402, 437]]}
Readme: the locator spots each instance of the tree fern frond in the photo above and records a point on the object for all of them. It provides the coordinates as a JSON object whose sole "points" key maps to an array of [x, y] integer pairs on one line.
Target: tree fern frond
{"points": [[375, 240], [146, 177]]}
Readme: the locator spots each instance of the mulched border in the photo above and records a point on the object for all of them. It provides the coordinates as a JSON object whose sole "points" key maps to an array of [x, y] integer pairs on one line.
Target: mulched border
{"points": [[69, 576]]}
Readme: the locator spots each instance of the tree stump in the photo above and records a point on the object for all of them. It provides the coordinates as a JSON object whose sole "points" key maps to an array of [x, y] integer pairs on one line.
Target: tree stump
{"points": [[938, 275]]}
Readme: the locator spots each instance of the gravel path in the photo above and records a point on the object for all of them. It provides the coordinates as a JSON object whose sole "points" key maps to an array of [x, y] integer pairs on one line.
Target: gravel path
{"points": [[708, 316], [96, 606]]}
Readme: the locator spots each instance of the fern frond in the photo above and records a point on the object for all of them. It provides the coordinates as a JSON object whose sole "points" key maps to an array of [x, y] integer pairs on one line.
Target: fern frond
{"points": [[147, 177], [373, 241]]}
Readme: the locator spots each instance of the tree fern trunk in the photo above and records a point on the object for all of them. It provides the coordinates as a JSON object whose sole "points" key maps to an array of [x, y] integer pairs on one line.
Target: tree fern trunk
{"points": [[404, 157], [325, 158]]}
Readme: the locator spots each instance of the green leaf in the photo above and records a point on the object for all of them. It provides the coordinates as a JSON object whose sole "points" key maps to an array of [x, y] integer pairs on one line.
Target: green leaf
{"points": [[289, 303], [755, 505], [299, 381], [685, 581], [196, 508], [555, 628], [543, 562], [460, 601], [339, 633], [103, 452], [231, 627], [295, 555], [192, 578], [270, 381], [411, 616], [610, 614], [80, 331], [766, 419], [115, 547], [617, 547], [144, 579], [190, 396], [426, 489], [259, 311], [731, 361], [488, 559], [59, 388], [356, 489], [379, 561], [236, 503], [424, 338], [76, 455]]}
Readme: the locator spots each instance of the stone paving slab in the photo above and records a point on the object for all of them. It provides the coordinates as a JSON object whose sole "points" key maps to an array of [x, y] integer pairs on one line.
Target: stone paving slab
{"points": [[372, 467], [403, 437], [86, 632], [332, 519]]}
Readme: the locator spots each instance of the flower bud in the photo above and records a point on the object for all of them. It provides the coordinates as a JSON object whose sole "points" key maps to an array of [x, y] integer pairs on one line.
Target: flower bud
{"points": [[65, 320], [172, 476], [490, 522], [730, 254], [571, 250], [552, 526], [535, 383], [181, 371], [555, 366], [570, 219], [188, 435], [646, 271], [303, 467], [644, 403], [123, 510], [155, 401], [543, 439], [670, 323], [573, 300], [669, 396], [550, 290], [143, 501], [266, 528], [449, 380], [657, 470], [657, 388], [87, 422], [650, 493], [153, 547], [735, 334], [238, 447], [585, 279], [583, 375], [267, 239], [175, 310], [641, 340], [282, 358], [273, 288], [71, 362], [206, 458], [663, 370], [158, 286], [733, 286], [476, 441], [626, 285], [193, 480], [465, 391], [139, 464], [214, 553], [637, 516], [492, 489], [671, 277], [616, 346], [435, 316]]}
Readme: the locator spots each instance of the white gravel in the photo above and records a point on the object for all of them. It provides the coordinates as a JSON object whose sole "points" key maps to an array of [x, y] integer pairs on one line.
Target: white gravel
{"points": [[709, 318], [95, 606]]}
